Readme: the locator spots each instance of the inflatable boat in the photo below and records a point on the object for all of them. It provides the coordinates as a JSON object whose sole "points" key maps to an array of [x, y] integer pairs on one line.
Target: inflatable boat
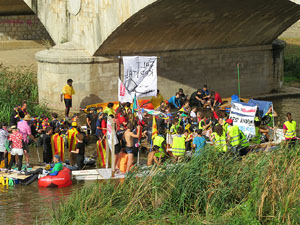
{"points": [[62, 179]]}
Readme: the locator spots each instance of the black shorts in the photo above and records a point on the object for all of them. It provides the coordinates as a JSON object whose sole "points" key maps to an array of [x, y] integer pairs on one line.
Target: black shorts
{"points": [[68, 102], [129, 150], [25, 146], [117, 149]]}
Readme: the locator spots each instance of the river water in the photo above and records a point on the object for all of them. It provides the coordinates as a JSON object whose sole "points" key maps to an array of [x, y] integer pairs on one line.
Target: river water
{"points": [[31, 205]]}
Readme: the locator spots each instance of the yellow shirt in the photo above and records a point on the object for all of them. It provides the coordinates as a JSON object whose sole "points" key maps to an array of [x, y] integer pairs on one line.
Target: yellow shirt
{"points": [[68, 91], [156, 100]]}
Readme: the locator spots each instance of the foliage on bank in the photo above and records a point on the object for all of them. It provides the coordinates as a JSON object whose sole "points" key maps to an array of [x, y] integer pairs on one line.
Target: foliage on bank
{"points": [[292, 61], [15, 86], [261, 188]]}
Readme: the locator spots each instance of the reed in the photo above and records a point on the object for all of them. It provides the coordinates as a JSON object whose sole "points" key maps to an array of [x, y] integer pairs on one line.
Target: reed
{"points": [[260, 188], [17, 85]]}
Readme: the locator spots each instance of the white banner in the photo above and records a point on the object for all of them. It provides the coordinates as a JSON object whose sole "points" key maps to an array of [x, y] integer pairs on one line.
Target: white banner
{"points": [[140, 75], [243, 116], [123, 94], [109, 134]]}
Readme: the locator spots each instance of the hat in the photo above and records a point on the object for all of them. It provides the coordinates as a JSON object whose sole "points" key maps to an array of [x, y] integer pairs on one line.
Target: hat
{"points": [[57, 156], [74, 124], [27, 117], [229, 121], [183, 115]]}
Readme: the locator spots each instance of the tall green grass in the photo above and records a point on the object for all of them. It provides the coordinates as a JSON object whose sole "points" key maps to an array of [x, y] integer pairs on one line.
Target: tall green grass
{"points": [[15, 86], [260, 188]]}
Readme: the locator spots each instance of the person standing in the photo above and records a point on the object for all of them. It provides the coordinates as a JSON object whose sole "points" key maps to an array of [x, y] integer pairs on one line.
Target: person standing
{"points": [[25, 130], [79, 151], [72, 141], [289, 130], [199, 143], [3, 143], [47, 153], [66, 95], [129, 136], [16, 139]]}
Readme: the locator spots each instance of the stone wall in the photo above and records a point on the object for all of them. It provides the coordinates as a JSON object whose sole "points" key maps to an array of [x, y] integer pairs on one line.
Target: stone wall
{"points": [[22, 27], [217, 68], [95, 78]]}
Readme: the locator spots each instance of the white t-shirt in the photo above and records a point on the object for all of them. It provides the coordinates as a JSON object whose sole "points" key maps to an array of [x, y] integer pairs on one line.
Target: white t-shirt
{"points": [[193, 114]]}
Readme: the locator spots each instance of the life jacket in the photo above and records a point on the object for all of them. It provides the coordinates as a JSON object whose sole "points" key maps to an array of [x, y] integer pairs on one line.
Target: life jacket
{"points": [[243, 140], [178, 147], [174, 128], [101, 153], [220, 141], [72, 138], [291, 129], [234, 134], [58, 146], [225, 127], [271, 123], [200, 124], [158, 140], [257, 138]]}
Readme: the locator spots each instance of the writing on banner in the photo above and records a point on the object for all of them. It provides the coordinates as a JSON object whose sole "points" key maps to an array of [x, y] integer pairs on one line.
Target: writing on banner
{"points": [[140, 75], [123, 94], [243, 116]]}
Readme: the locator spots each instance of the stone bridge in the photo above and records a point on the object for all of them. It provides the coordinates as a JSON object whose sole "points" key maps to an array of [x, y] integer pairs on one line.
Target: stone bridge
{"points": [[200, 42]]}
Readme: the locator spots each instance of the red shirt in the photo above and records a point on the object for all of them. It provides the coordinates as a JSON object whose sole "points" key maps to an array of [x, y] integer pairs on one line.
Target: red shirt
{"points": [[218, 97], [16, 139]]}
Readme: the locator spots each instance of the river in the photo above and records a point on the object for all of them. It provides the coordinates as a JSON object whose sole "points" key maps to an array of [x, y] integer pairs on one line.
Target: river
{"points": [[31, 205]]}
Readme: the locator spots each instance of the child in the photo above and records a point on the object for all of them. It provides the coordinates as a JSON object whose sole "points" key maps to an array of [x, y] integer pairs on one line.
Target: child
{"points": [[17, 147], [57, 166], [199, 142], [79, 151]]}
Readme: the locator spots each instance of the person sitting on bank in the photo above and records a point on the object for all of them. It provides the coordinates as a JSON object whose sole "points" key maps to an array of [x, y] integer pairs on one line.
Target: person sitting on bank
{"points": [[158, 152], [197, 99], [174, 101], [57, 166], [66, 95], [216, 99]]}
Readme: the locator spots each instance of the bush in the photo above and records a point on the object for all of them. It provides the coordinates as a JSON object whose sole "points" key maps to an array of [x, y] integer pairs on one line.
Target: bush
{"points": [[16, 86], [261, 188]]}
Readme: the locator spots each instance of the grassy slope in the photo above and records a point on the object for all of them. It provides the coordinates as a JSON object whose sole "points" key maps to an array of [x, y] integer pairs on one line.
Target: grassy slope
{"points": [[15, 86], [292, 60], [262, 188]]}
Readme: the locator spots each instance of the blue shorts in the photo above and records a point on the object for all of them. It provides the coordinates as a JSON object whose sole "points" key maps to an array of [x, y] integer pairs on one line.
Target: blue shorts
{"points": [[129, 150]]}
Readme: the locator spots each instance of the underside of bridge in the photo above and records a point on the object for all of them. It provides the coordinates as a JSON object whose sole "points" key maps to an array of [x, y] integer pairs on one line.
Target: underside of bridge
{"points": [[196, 24], [199, 42]]}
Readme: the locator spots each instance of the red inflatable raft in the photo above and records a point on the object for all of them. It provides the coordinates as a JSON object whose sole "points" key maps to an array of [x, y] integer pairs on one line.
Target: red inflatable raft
{"points": [[62, 179]]}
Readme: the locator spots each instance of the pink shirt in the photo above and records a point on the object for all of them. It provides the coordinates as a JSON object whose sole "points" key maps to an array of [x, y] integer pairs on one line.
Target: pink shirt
{"points": [[24, 129]]}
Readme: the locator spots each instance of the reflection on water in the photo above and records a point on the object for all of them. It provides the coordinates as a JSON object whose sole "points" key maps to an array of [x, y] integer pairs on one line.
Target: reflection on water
{"points": [[30, 204], [282, 106]]}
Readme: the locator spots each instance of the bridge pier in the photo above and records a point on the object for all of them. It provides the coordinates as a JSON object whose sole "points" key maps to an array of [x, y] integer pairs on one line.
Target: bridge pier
{"points": [[96, 78]]}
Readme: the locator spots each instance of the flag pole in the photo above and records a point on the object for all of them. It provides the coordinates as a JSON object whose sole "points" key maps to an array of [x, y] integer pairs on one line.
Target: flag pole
{"points": [[120, 64], [239, 86]]}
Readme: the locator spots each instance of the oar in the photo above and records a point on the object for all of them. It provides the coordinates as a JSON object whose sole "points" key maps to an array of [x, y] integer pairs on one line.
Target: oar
{"points": [[37, 151]]}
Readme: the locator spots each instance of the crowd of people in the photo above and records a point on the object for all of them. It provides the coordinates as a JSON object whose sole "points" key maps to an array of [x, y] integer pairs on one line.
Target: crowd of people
{"points": [[183, 125]]}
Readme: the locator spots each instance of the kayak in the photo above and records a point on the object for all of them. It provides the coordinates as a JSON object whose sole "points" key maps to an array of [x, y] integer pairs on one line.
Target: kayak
{"points": [[142, 103], [62, 179]]}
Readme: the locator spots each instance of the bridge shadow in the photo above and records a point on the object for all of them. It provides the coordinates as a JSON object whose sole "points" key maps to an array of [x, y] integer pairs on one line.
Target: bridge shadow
{"points": [[89, 100]]}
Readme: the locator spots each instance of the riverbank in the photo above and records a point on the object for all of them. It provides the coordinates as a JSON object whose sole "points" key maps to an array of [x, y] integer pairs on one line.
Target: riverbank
{"points": [[17, 85], [261, 188]]}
